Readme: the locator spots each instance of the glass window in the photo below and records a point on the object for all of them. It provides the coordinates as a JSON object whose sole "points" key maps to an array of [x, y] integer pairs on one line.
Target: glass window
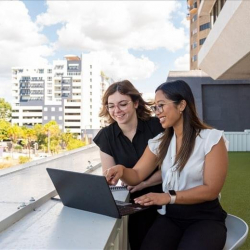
{"points": [[202, 41], [205, 26]]}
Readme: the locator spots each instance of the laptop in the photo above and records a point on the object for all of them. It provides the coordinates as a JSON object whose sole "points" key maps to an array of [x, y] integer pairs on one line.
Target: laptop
{"points": [[90, 193]]}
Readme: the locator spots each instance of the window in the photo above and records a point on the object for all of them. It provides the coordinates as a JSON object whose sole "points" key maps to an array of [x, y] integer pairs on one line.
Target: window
{"points": [[90, 113], [90, 73], [60, 108], [90, 93], [202, 41], [194, 31], [204, 26], [90, 79], [194, 58], [60, 118], [53, 109], [53, 118], [45, 109], [49, 91], [90, 66], [45, 118], [194, 18], [194, 45], [49, 71], [49, 78], [90, 86]]}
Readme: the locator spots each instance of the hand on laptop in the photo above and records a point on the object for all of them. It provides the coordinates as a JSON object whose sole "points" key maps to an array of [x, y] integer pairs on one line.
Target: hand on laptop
{"points": [[153, 199], [113, 174]]}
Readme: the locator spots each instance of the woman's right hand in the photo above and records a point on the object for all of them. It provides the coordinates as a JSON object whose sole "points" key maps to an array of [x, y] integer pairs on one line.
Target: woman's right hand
{"points": [[113, 174]]}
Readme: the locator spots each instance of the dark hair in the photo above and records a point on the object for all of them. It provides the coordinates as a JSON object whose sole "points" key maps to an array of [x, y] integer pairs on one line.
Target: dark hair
{"points": [[177, 91], [126, 88]]}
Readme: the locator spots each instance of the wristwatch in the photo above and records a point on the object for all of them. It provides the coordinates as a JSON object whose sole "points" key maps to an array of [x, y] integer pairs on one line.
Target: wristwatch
{"points": [[172, 195]]}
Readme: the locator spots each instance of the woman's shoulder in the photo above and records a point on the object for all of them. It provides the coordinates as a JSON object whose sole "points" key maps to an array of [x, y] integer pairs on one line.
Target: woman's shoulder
{"points": [[105, 132], [205, 133], [210, 137]]}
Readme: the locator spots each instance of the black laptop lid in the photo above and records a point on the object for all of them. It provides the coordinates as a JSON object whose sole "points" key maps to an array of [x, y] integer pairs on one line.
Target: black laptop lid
{"points": [[84, 191]]}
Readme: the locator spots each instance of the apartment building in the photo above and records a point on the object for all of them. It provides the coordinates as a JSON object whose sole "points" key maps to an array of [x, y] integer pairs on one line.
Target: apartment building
{"points": [[199, 30], [219, 62], [226, 51], [68, 92]]}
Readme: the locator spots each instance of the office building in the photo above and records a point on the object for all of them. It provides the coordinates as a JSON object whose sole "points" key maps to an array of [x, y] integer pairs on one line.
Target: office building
{"points": [[199, 30], [68, 91], [219, 62]]}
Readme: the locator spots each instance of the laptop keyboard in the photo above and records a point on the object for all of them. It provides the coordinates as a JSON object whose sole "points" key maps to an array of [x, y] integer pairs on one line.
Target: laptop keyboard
{"points": [[128, 208]]}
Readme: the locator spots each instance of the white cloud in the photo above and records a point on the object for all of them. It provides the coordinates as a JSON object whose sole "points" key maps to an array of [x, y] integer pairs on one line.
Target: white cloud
{"points": [[120, 64], [114, 24], [110, 28], [21, 44], [182, 63]]}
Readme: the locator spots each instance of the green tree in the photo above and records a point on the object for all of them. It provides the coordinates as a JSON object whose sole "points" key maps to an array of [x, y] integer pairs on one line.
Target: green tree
{"points": [[5, 110], [29, 135], [52, 131], [14, 133], [74, 143], [4, 127], [41, 135]]}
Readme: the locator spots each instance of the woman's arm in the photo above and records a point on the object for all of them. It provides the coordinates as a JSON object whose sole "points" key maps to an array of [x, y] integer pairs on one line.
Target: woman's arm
{"points": [[133, 176], [107, 161], [152, 181], [215, 170]]}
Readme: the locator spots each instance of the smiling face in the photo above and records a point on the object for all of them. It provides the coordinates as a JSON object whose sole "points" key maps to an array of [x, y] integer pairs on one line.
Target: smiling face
{"points": [[171, 115], [121, 108]]}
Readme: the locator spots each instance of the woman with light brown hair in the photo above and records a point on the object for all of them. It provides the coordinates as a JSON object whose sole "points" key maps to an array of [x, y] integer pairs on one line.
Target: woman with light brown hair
{"points": [[124, 141], [193, 161]]}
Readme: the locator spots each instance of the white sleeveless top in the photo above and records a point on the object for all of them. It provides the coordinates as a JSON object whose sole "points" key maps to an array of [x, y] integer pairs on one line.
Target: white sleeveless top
{"points": [[192, 174]]}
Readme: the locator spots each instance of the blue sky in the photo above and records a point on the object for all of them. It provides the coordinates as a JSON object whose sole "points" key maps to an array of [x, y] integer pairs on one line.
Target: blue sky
{"points": [[144, 40]]}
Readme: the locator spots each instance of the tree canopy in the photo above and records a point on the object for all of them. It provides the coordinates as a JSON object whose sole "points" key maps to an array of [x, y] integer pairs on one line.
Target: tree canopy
{"points": [[5, 110]]}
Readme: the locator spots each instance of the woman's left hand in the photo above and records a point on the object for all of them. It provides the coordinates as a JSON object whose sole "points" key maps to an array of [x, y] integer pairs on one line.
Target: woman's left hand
{"points": [[153, 199], [136, 188]]}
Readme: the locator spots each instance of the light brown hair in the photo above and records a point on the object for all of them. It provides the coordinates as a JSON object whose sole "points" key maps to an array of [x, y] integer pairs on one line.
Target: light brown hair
{"points": [[125, 88]]}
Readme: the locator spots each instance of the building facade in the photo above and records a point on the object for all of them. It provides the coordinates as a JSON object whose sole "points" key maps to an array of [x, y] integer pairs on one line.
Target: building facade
{"points": [[199, 30], [226, 51], [63, 92], [219, 73]]}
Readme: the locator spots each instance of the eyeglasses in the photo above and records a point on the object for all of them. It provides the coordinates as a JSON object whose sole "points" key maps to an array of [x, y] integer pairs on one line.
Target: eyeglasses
{"points": [[121, 106], [159, 107]]}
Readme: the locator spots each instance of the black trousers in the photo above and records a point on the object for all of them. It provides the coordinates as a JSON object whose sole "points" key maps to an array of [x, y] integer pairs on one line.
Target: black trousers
{"points": [[171, 234], [139, 225]]}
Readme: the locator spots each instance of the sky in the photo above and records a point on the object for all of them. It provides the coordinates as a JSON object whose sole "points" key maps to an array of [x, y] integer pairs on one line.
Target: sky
{"points": [[136, 40]]}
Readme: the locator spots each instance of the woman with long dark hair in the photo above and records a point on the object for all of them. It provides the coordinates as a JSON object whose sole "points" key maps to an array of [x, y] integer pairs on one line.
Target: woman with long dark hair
{"points": [[193, 161], [124, 141]]}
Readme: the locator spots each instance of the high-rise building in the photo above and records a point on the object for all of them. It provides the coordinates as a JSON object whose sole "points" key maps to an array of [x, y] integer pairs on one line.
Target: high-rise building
{"points": [[226, 52], [199, 30], [68, 91], [219, 59]]}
